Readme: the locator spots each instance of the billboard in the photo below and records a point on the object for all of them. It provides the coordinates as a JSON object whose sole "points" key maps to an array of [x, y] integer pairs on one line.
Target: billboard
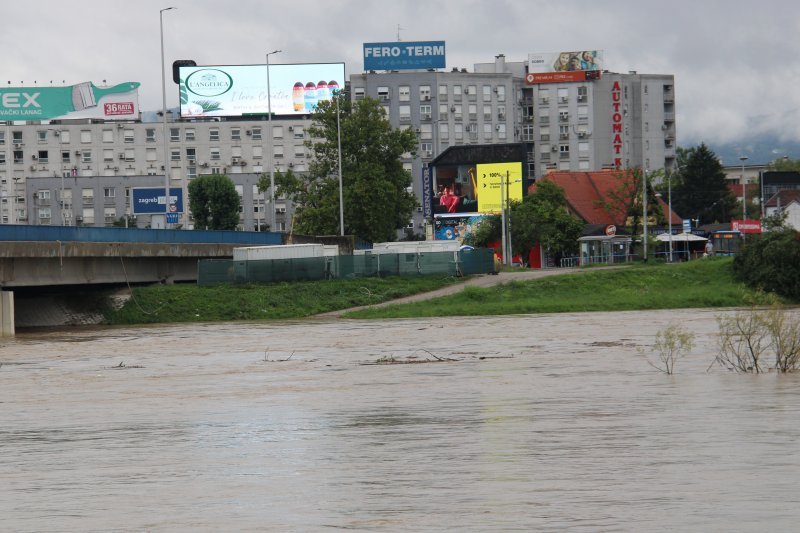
{"points": [[150, 200], [238, 90], [404, 55], [84, 100], [554, 67], [455, 227], [491, 187]]}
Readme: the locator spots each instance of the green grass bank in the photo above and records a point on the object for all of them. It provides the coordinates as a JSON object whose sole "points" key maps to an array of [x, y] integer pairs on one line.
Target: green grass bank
{"points": [[701, 283]]}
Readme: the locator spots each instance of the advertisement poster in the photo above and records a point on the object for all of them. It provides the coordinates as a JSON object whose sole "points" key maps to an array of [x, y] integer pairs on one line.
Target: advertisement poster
{"points": [[455, 227], [554, 67], [150, 201], [496, 180], [404, 55], [238, 90], [84, 100]]}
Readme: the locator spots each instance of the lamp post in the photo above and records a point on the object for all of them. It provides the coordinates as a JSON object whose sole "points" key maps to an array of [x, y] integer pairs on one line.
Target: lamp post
{"points": [[339, 148], [744, 189], [503, 241], [669, 206], [164, 110], [644, 209], [271, 142]]}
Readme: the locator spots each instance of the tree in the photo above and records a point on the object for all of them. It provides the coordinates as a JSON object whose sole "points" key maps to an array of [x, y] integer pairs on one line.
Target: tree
{"points": [[785, 164], [701, 189], [214, 202], [376, 200], [541, 217]]}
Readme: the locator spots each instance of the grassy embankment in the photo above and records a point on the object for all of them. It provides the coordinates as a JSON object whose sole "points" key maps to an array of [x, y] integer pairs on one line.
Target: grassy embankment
{"points": [[695, 284], [702, 283], [192, 303]]}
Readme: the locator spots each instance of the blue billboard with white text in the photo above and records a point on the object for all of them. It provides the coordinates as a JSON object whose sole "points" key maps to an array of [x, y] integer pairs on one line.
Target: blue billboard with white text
{"points": [[405, 55], [150, 201]]}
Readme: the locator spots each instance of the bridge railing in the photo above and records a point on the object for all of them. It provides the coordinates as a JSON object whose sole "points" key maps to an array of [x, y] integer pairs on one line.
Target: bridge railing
{"points": [[19, 232]]}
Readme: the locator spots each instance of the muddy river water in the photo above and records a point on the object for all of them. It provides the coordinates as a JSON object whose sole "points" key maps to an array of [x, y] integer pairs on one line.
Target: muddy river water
{"points": [[535, 422]]}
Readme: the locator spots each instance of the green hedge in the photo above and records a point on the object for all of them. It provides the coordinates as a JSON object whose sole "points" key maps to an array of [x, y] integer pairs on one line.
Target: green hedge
{"points": [[771, 262]]}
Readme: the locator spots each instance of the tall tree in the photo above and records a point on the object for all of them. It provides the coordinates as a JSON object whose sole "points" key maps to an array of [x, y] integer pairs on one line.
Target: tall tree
{"points": [[785, 164], [214, 202], [376, 199], [701, 190]]}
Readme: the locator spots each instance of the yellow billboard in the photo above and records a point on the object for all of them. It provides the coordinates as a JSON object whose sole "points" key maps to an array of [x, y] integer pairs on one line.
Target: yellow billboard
{"points": [[491, 178]]}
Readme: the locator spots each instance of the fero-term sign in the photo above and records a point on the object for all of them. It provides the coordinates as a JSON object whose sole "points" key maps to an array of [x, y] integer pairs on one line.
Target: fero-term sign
{"points": [[405, 55]]}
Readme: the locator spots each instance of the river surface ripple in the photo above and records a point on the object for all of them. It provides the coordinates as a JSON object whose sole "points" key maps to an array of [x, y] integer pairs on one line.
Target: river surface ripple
{"points": [[541, 422]]}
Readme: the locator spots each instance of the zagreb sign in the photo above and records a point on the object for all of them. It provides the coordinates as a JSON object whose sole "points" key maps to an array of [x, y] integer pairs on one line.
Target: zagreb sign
{"points": [[404, 55]]}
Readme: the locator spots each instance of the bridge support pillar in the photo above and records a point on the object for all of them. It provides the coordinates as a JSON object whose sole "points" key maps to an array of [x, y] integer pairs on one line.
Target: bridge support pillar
{"points": [[6, 313]]}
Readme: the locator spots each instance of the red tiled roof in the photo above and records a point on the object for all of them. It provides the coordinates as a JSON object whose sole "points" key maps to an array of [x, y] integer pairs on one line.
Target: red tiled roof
{"points": [[786, 196], [587, 191]]}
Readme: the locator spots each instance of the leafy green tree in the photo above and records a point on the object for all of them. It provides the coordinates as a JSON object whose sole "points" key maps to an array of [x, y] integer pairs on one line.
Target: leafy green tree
{"points": [[785, 164], [213, 202], [376, 200], [701, 190], [541, 217]]}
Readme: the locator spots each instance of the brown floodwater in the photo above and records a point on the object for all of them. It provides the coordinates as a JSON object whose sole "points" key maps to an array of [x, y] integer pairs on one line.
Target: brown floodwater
{"points": [[534, 422]]}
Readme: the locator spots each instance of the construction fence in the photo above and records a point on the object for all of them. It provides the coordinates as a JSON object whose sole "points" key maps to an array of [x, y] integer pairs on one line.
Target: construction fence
{"points": [[462, 263]]}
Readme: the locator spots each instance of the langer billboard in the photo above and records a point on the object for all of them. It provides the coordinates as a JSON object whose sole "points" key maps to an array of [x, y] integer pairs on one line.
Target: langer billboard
{"points": [[553, 67], [84, 100], [238, 90]]}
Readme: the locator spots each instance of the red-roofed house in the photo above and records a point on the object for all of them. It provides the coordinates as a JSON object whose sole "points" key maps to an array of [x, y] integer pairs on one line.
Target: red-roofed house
{"points": [[787, 200]]}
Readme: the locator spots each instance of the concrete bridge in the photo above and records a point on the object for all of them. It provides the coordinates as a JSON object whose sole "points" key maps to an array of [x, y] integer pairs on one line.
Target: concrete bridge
{"points": [[42, 256]]}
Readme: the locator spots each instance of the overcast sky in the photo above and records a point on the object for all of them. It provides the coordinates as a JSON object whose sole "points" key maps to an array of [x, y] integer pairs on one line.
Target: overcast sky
{"points": [[735, 62]]}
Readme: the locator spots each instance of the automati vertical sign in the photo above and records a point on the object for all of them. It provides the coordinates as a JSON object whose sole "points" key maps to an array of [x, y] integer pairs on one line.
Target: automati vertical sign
{"points": [[616, 123]]}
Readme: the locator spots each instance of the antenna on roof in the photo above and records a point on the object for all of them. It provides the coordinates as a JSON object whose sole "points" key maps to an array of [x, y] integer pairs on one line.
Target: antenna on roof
{"points": [[398, 33]]}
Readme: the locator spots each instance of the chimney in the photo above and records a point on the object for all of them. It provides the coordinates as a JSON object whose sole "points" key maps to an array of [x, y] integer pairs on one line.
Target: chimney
{"points": [[499, 64]]}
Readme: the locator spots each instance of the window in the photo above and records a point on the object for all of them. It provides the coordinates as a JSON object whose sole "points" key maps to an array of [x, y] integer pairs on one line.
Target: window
{"points": [[424, 93], [426, 131], [108, 155], [86, 136], [544, 96], [66, 156], [128, 136], [3, 159], [151, 154], [501, 112], [544, 149], [583, 147], [457, 93], [277, 132], [458, 131], [501, 93], [42, 136], [473, 111], [457, 111], [2, 138], [86, 156], [130, 155], [563, 95], [646, 126], [88, 196], [213, 134], [88, 215], [191, 154], [544, 116], [175, 155], [189, 134], [544, 133], [299, 151], [358, 93], [487, 131], [443, 109], [108, 136], [426, 149], [487, 93], [383, 93], [64, 136], [487, 113], [150, 135], [43, 156], [404, 112], [236, 134], [444, 131], [174, 135], [563, 115], [18, 156], [404, 93], [258, 152], [109, 192], [109, 215], [472, 93], [583, 112], [563, 149], [425, 112], [582, 92], [501, 131], [214, 154], [563, 131], [527, 132], [298, 132], [257, 133], [44, 215], [277, 152], [443, 92], [43, 194], [191, 172]]}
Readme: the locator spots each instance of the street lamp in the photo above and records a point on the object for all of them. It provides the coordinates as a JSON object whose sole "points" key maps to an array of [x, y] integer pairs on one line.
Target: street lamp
{"points": [[644, 208], [669, 206], [339, 149], [271, 142], [164, 109], [743, 158]]}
